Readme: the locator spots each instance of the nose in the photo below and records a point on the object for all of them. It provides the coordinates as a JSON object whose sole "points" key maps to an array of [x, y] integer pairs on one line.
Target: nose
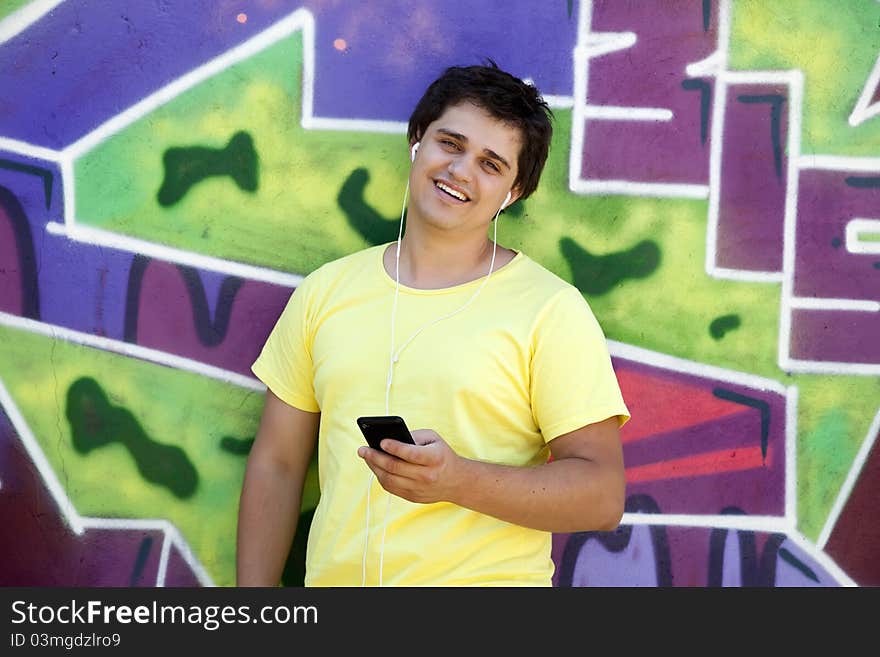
{"points": [[459, 168]]}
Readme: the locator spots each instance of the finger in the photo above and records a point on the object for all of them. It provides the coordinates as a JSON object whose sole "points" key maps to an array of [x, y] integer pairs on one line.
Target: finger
{"points": [[366, 453], [392, 483], [410, 453], [386, 462]]}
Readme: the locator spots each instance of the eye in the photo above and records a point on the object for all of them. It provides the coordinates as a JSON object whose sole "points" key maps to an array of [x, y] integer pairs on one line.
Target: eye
{"points": [[448, 143], [491, 165]]}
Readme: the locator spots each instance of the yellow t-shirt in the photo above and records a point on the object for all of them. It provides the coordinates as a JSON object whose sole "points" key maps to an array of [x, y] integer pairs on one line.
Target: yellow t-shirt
{"points": [[525, 362]]}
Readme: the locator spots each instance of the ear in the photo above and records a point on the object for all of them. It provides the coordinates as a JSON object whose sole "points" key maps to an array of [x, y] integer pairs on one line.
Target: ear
{"points": [[515, 193]]}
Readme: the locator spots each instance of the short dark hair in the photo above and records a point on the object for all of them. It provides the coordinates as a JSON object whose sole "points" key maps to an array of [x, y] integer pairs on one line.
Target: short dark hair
{"points": [[503, 96]]}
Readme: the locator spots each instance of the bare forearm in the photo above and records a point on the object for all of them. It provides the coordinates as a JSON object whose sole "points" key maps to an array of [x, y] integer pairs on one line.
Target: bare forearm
{"points": [[267, 517], [564, 495], [581, 489]]}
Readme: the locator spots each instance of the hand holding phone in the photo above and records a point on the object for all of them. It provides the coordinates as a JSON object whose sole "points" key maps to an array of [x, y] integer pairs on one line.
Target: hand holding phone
{"points": [[377, 427]]}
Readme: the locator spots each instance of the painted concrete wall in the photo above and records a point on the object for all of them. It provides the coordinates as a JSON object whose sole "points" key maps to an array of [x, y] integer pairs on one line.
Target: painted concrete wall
{"points": [[170, 170]]}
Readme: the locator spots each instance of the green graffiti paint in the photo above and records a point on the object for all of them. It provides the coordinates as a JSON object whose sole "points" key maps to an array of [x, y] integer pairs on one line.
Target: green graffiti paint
{"points": [[371, 225], [517, 209], [812, 39], [597, 275], [187, 166], [292, 222], [9, 6], [828, 441], [720, 326], [173, 405], [236, 446], [95, 423]]}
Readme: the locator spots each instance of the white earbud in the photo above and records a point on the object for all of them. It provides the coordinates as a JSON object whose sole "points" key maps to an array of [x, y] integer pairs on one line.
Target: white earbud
{"points": [[412, 153], [506, 201]]}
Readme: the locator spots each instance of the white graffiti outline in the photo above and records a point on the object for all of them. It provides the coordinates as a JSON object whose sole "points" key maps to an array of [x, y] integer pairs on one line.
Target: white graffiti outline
{"points": [[864, 109], [24, 17], [723, 80], [101, 237], [822, 557], [854, 228], [131, 350]]}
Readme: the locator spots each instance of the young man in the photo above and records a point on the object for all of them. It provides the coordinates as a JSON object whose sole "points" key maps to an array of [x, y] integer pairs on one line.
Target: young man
{"points": [[498, 365]]}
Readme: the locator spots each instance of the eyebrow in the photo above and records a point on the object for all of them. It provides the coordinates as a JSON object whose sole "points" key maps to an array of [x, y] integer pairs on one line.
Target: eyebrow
{"points": [[462, 138]]}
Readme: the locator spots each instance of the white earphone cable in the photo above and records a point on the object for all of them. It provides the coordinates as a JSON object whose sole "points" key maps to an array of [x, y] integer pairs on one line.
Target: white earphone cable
{"points": [[387, 391], [394, 357]]}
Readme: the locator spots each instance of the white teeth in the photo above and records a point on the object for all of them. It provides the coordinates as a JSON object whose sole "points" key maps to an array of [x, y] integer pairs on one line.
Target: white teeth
{"points": [[451, 192]]}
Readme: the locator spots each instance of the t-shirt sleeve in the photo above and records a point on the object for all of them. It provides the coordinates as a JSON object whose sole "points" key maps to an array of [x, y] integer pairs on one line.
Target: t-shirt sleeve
{"points": [[572, 381], [285, 362]]}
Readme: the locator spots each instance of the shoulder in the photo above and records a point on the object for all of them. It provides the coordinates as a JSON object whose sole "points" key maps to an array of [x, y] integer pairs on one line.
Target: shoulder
{"points": [[554, 304], [545, 287], [539, 275], [353, 261], [328, 275]]}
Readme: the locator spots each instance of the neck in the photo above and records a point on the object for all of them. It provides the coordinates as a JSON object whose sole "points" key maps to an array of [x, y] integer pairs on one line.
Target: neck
{"points": [[435, 262]]}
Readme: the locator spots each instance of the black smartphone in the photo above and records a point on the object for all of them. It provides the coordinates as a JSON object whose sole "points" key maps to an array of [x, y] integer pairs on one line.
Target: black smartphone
{"points": [[377, 427]]}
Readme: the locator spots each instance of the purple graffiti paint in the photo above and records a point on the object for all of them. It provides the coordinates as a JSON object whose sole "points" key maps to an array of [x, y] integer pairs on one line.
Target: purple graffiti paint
{"points": [[795, 567], [838, 336], [400, 47], [179, 572], [11, 284], [691, 465], [75, 280], [669, 37], [669, 152], [65, 91], [650, 74], [633, 566], [827, 201], [652, 555], [81, 64], [824, 268], [751, 211], [231, 338]]}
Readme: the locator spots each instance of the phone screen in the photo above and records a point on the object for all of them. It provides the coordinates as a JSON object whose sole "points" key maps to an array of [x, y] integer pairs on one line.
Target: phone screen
{"points": [[377, 427]]}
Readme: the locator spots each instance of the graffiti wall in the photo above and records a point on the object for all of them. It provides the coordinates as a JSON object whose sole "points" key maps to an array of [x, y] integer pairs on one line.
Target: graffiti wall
{"points": [[169, 171]]}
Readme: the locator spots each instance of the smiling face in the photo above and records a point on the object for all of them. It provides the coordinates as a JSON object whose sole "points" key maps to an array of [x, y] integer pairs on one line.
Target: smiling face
{"points": [[465, 166]]}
